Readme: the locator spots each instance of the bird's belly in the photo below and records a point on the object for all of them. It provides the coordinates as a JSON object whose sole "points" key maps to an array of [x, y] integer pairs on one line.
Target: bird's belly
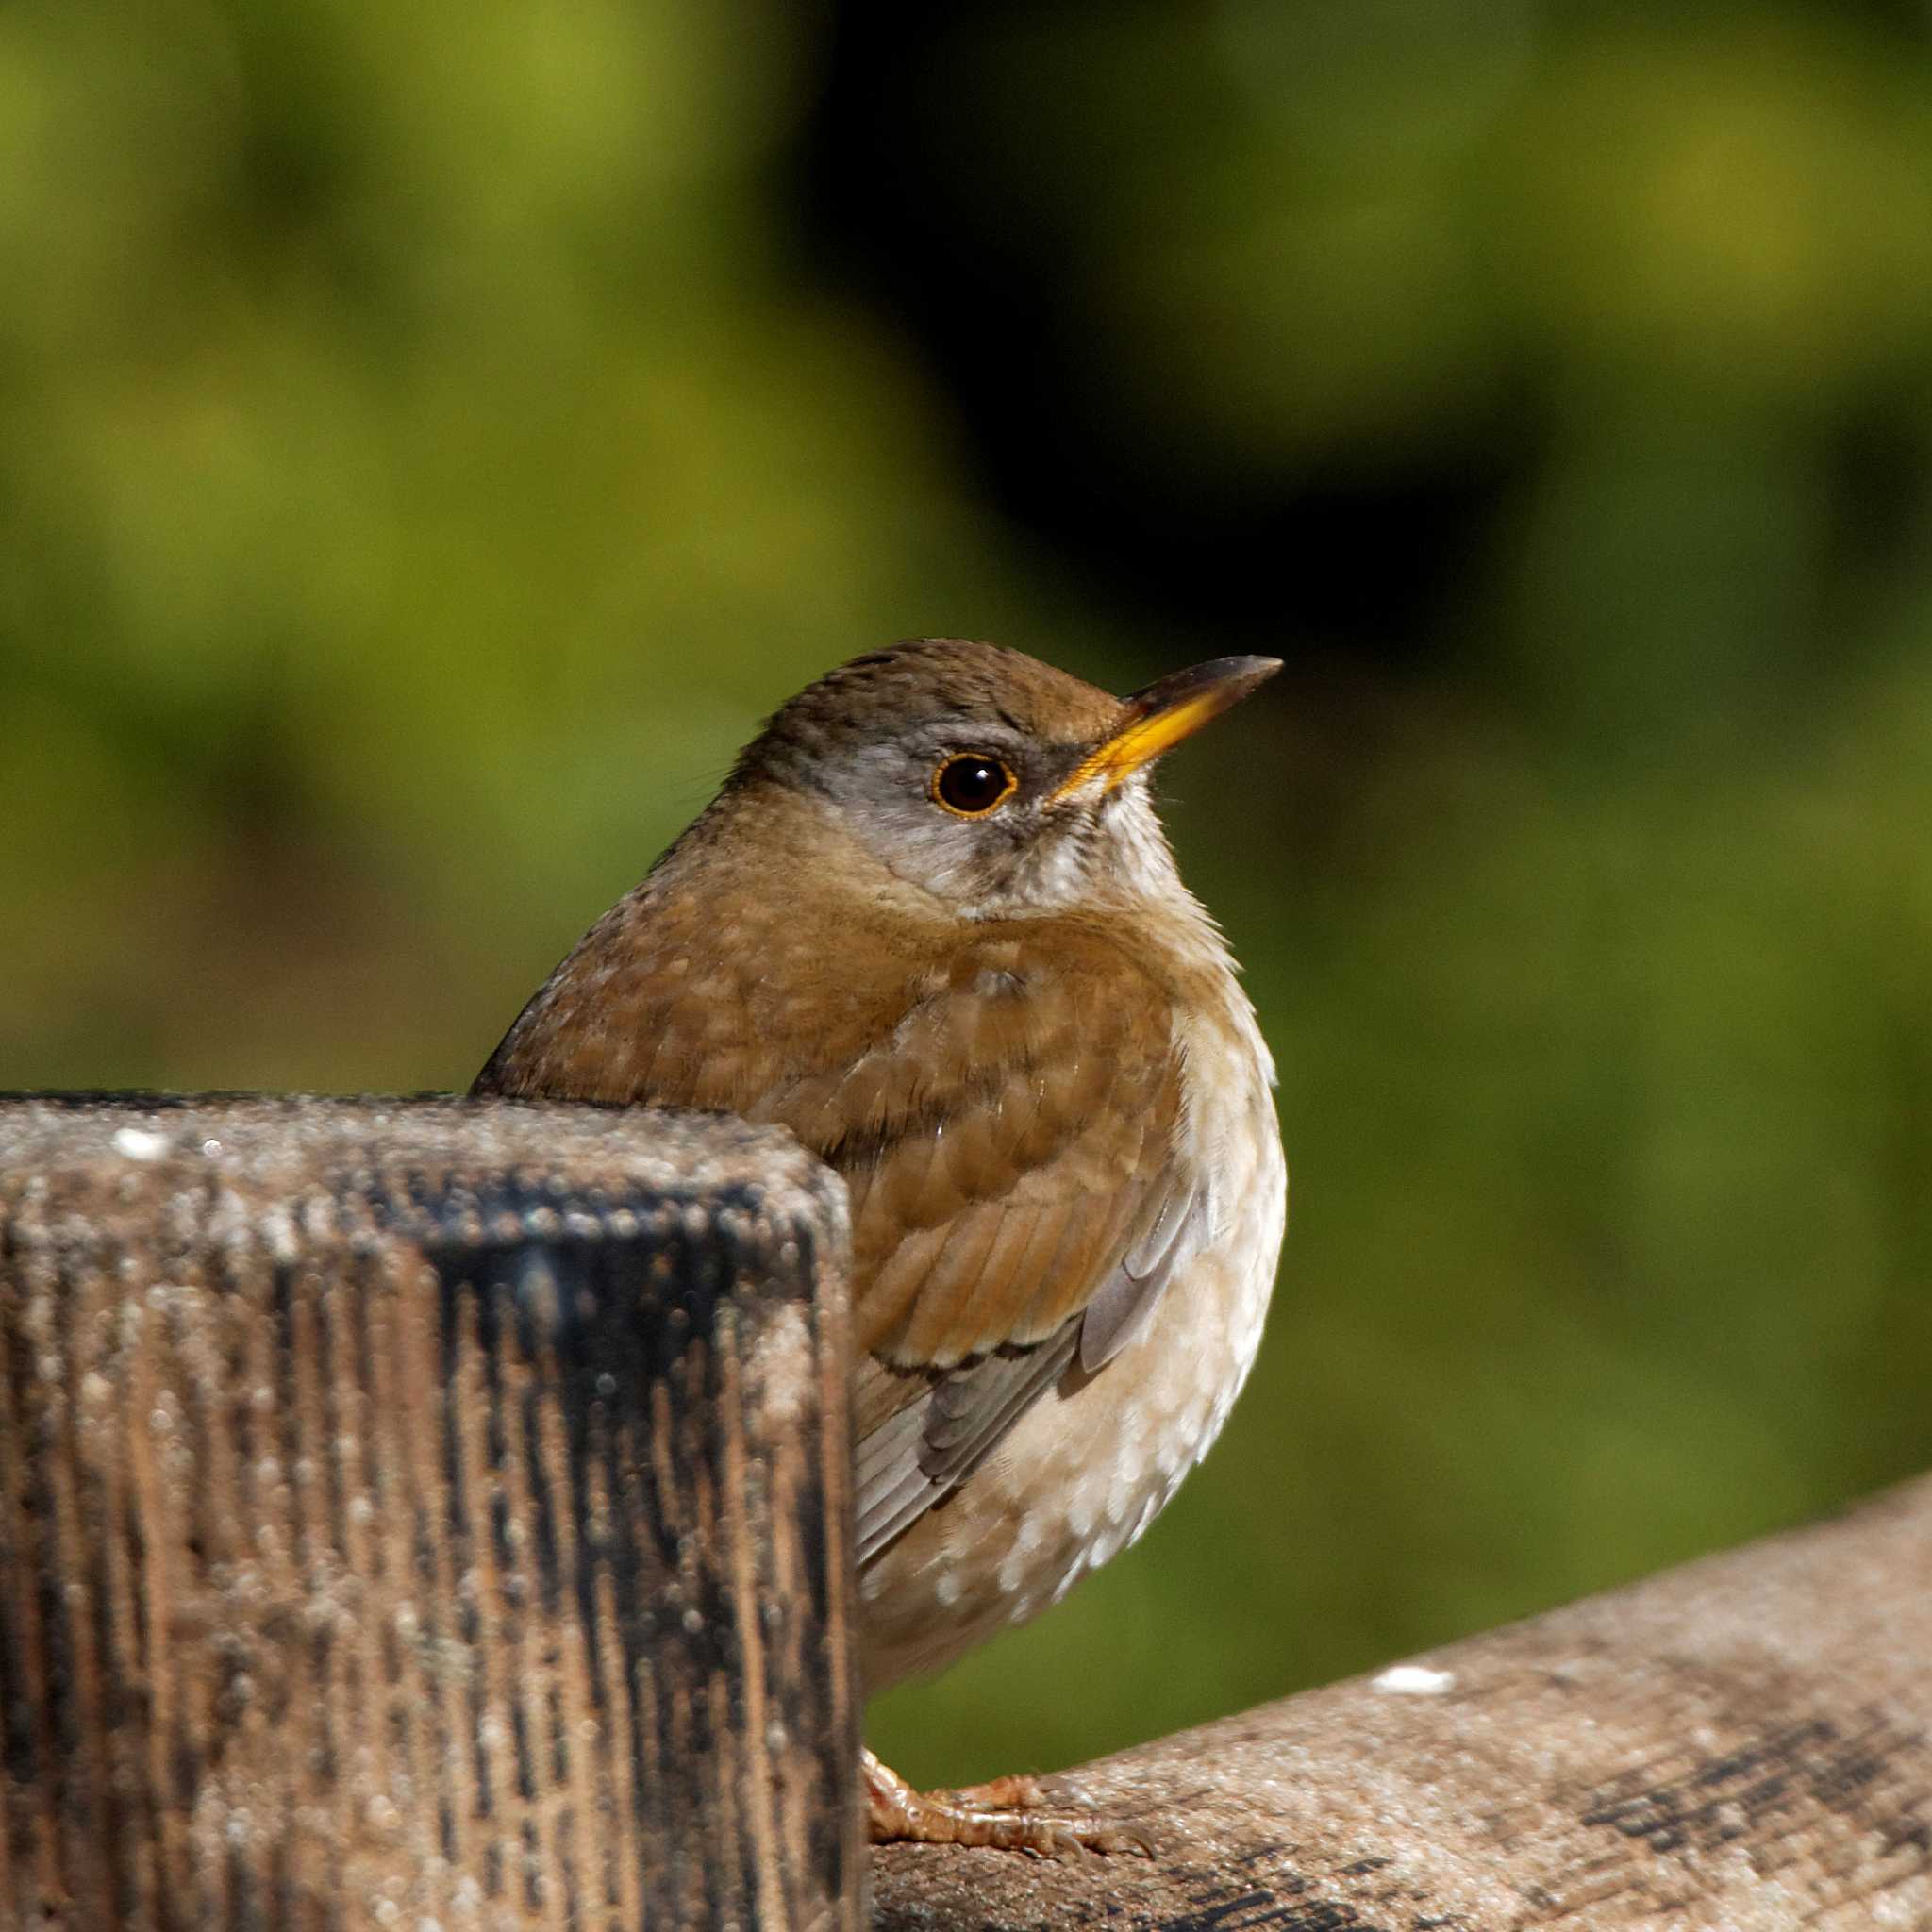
{"points": [[1092, 1463]]}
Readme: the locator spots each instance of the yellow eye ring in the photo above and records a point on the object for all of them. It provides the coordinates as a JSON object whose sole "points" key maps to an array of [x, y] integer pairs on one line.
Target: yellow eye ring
{"points": [[972, 784]]}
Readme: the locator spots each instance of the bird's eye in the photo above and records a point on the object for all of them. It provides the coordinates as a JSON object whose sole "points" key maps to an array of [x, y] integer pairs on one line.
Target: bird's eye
{"points": [[973, 783]]}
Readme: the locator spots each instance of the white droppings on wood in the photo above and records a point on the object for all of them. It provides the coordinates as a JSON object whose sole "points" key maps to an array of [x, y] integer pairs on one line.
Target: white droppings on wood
{"points": [[1415, 1680]]}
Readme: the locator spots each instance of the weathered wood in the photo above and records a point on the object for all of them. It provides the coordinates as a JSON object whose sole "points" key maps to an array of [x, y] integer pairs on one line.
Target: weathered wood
{"points": [[421, 1515], [1740, 1744]]}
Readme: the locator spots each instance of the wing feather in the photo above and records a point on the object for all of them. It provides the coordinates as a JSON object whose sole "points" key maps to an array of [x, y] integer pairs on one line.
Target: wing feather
{"points": [[1041, 1145], [918, 1455]]}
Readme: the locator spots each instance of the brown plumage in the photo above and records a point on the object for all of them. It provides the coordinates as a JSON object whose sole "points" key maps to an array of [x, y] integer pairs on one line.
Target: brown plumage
{"points": [[1020, 1041]]}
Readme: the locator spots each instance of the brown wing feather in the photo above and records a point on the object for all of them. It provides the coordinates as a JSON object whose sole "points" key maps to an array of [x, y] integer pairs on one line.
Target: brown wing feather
{"points": [[1023, 1146], [1024, 1112]]}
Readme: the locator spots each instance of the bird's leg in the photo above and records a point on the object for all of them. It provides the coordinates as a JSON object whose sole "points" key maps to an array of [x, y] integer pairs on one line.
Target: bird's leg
{"points": [[1011, 1794], [1008, 1814]]}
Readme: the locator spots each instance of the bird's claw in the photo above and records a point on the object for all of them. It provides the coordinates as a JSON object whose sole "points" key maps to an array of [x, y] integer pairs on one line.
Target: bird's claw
{"points": [[1010, 1814]]}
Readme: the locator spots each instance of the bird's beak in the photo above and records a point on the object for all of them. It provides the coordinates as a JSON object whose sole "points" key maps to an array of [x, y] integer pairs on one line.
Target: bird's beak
{"points": [[1158, 717]]}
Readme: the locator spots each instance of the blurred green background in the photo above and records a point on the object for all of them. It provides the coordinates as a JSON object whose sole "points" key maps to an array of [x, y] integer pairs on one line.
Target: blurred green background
{"points": [[433, 436]]}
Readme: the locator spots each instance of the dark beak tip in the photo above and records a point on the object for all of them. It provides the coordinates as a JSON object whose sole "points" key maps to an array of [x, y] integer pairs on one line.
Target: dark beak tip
{"points": [[1235, 676], [1251, 672]]}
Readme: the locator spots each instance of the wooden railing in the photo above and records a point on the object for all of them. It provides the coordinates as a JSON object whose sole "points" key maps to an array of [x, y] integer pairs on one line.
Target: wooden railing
{"points": [[1741, 1745], [420, 1514]]}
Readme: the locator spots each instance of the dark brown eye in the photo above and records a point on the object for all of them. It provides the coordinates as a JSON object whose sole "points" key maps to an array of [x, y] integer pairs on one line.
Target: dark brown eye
{"points": [[973, 783]]}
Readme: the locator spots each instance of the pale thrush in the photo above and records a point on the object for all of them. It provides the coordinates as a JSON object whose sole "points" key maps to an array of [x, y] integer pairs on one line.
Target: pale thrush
{"points": [[932, 925]]}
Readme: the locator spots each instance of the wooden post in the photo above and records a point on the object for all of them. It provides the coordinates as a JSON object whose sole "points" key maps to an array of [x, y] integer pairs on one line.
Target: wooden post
{"points": [[421, 1515], [1741, 1745]]}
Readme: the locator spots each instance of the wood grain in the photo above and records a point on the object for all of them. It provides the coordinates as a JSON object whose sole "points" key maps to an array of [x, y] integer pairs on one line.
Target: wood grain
{"points": [[421, 1515]]}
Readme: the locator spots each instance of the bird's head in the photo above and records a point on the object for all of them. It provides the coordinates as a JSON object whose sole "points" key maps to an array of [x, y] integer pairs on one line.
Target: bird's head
{"points": [[989, 780]]}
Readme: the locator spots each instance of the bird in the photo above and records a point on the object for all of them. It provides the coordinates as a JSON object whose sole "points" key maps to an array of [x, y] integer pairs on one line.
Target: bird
{"points": [[932, 924]]}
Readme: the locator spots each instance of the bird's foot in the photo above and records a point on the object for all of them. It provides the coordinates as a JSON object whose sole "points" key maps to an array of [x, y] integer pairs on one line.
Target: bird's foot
{"points": [[1010, 1814]]}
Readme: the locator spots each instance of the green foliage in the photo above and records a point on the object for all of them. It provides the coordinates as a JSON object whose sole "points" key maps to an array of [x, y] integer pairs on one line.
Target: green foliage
{"points": [[429, 449]]}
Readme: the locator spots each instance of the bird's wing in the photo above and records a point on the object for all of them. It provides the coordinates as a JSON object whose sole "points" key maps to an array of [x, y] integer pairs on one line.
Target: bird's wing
{"points": [[1009, 1140], [1021, 1195], [921, 1434], [918, 1440]]}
